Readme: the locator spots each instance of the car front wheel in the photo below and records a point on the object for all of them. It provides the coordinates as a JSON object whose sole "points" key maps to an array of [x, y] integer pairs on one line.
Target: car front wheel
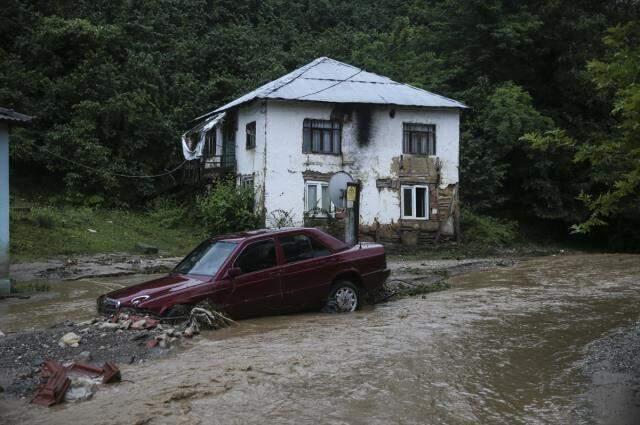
{"points": [[343, 298]]}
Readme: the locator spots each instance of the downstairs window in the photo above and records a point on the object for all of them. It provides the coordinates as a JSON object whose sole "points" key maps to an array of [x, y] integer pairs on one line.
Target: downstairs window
{"points": [[415, 202]]}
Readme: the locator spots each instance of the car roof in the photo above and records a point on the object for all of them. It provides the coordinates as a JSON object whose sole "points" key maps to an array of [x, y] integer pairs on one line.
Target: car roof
{"points": [[249, 235]]}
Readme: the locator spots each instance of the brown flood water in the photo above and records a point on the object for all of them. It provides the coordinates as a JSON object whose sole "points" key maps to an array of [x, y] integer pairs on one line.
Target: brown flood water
{"points": [[503, 346]]}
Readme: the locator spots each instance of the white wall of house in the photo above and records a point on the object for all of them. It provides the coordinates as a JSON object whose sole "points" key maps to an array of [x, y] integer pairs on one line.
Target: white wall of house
{"points": [[251, 161], [285, 161]]}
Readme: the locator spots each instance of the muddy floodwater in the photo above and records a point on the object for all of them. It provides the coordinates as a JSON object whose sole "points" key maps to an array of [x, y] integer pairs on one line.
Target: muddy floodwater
{"points": [[508, 346], [66, 300]]}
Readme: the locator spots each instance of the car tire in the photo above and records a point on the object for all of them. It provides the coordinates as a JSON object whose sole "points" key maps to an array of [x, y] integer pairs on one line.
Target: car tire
{"points": [[345, 297]]}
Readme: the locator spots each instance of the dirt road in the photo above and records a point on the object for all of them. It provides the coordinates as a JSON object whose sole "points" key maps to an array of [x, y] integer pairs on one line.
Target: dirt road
{"points": [[549, 340]]}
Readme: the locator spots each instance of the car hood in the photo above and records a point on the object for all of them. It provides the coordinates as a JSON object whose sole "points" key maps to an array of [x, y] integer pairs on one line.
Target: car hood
{"points": [[157, 287]]}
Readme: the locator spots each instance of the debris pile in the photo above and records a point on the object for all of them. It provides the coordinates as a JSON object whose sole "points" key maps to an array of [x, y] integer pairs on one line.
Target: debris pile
{"points": [[78, 380]]}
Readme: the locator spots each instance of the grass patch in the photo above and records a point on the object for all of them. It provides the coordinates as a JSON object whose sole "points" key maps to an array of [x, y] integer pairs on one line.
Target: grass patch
{"points": [[29, 287], [47, 231]]}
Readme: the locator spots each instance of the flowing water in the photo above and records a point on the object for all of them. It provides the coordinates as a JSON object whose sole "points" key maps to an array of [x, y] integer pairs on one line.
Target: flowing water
{"points": [[504, 346]]}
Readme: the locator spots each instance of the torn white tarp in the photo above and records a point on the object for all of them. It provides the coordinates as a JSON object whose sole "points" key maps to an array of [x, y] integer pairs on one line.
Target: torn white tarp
{"points": [[202, 129]]}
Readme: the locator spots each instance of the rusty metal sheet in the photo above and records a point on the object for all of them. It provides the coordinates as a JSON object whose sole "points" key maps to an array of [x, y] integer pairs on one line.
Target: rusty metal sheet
{"points": [[53, 391], [111, 373]]}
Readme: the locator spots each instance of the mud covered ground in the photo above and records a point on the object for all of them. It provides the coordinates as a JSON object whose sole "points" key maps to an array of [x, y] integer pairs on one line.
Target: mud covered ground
{"points": [[23, 350], [548, 340]]}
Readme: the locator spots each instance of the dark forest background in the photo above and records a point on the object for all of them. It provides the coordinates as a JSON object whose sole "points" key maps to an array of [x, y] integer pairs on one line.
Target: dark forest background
{"points": [[552, 139]]}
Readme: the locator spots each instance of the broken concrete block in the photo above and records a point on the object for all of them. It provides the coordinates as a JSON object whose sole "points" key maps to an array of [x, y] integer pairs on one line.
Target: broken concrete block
{"points": [[109, 325], [146, 249], [139, 324], [69, 339]]}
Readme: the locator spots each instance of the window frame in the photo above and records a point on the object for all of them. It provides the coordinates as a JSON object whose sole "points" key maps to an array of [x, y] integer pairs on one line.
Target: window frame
{"points": [[319, 185], [250, 138], [413, 188], [308, 125], [407, 132]]}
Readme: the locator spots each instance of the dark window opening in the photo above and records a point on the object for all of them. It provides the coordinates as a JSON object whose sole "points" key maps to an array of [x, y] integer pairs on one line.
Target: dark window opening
{"points": [[251, 135], [321, 136], [301, 247], [419, 139], [296, 248], [258, 256]]}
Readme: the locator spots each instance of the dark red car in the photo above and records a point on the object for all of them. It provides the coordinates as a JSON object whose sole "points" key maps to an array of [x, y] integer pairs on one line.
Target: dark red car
{"points": [[262, 272]]}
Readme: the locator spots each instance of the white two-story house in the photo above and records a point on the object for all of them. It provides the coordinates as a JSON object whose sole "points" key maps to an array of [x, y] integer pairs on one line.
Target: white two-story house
{"points": [[287, 138]]}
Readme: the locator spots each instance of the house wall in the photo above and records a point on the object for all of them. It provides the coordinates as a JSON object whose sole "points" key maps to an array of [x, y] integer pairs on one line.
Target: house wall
{"points": [[252, 162], [379, 164]]}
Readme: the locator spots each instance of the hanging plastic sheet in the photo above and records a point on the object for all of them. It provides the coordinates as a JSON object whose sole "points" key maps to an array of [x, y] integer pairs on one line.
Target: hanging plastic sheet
{"points": [[195, 152]]}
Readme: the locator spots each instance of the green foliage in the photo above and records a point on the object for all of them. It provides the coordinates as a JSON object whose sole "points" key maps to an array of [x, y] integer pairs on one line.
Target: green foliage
{"points": [[487, 230], [228, 209], [50, 231], [167, 212], [114, 83]]}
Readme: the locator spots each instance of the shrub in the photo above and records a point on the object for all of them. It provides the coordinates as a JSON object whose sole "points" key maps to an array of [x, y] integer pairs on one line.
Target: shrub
{"points": [[487, 230], [228, 208], [44, 217], [167, 212]]}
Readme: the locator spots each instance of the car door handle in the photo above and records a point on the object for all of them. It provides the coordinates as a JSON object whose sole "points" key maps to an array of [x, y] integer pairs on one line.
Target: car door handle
{"points": [[275, 274]]}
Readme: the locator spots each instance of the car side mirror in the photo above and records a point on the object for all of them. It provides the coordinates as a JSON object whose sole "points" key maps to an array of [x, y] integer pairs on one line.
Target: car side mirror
{"points": [[234, 271]]}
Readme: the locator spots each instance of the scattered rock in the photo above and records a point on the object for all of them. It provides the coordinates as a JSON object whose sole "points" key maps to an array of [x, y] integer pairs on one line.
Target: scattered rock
{"points": [[109, 325], [69, 339], [139, 336], [82, 388], [152, 343], [140, 324], [2, 334], [92, 231], [146, 249], [84, 357], [126, 324]]}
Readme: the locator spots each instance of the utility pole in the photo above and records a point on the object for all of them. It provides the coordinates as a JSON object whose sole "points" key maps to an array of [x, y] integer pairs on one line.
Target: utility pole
{"points": [[7, 118], [352, 224]]}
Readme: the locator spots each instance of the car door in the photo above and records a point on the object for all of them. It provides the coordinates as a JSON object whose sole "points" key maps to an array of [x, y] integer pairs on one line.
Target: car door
{"points": [[256, 291], [306, 273]]}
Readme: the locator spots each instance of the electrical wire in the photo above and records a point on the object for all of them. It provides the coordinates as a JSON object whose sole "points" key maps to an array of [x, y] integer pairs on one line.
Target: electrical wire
{"points": [[331, 86], [129, 176]]}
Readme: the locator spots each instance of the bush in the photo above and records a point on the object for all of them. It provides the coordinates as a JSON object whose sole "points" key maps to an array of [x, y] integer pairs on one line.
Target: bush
{"points": [[167, 212], [228, 208], [44, 217], [487, 230]]}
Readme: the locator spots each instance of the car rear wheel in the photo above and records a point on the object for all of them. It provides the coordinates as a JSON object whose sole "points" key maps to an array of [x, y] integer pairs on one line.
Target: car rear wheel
{"points": [[343, 298]]}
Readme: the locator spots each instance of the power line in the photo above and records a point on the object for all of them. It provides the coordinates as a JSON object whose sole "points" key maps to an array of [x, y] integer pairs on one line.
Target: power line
{"points": [[331, 86], [129, 176]]}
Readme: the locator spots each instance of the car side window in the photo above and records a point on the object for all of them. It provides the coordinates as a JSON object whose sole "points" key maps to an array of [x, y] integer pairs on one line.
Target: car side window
{"points": [[301, 247], [319, 250], [258, 256], [296, 248]]}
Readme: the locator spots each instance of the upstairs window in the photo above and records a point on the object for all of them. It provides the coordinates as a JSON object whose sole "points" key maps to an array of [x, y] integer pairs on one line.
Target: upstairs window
{"points": [[419, 139], [251, 135], [321, 136], [415, 202], [318, 203]]}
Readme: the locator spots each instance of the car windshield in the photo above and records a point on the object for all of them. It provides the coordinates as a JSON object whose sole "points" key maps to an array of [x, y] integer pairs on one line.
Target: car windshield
{"points": [[206, 259]]}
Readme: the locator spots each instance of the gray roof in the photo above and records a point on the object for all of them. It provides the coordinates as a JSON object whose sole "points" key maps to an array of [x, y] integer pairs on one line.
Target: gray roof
{"points": [[327, 80], [9, 115]]}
